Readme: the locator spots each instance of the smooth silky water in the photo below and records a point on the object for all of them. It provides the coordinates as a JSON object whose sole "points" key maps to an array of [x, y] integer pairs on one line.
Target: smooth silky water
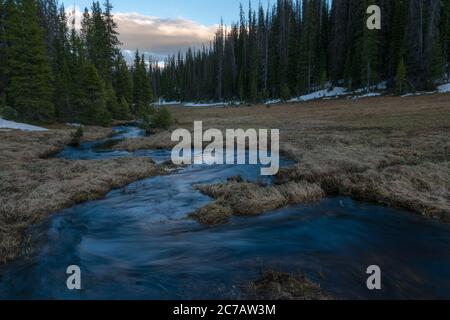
{"points": [[137, 243]]}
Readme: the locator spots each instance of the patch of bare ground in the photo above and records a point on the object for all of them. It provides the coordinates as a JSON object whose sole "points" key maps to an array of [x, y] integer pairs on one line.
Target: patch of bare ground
{"points": [[242, 198], [283, 286], [392, 151], [34, 185]]}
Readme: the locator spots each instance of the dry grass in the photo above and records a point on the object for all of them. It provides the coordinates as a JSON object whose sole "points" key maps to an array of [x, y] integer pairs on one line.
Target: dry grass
{"points": [[250, 199], [33, 186], [160, 140], [283, 286], [390, 150]]}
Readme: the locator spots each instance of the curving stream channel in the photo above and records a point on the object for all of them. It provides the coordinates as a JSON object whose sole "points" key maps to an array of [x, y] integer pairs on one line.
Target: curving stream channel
{"points": [[137, 243]]}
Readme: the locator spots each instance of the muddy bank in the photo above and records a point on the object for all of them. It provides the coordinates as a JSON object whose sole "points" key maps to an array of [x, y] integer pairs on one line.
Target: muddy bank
{"points": [[283, 286], [243, 198], [34, 185]]}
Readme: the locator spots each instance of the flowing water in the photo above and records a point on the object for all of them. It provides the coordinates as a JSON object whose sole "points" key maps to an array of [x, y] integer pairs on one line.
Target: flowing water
{"points": [[137, 243]]}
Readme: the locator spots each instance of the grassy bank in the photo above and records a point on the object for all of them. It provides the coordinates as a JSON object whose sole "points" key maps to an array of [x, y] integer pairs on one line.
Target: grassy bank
{"points": [[33, 185], [242, 198]]}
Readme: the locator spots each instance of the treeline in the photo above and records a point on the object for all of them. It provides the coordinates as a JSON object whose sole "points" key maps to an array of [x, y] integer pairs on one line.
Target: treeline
{"points": [[297, 46], [50, 71]]}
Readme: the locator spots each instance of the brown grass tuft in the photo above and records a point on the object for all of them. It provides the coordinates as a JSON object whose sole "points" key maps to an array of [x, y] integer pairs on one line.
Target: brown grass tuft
{"points": [[283, 286], [250, 199]]}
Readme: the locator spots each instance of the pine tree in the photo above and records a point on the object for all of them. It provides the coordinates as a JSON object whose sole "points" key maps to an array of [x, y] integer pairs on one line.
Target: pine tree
{"points": [[254, 60], [124, 110], [396, 38], [93, 102], [294, 53], [30, 89], [123, 83], [61, 68], [445, 35], [2, 51], [369, 51], [437, 66], [111, 101], [142, 89], [400, 79]]}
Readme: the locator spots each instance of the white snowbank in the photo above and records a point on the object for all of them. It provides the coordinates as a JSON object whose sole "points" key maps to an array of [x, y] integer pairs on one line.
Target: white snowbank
{"points": [[335, 92], [166, 103], [5, 124], [444, 88], [76, 125], [220, 104], [274, 101], [367, 95], [421, 93]]}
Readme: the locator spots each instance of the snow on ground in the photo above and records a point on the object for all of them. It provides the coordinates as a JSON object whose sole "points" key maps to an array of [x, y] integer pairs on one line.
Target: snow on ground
{"points": [[219, 104], [5, 124], [335, 92], [421, 93], [367, 95], [166, 103], [76, 125], [445, 88], [274, 101]]}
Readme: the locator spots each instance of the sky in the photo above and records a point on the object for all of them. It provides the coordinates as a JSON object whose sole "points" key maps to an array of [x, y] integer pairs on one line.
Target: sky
{"points": [[162, 27]]}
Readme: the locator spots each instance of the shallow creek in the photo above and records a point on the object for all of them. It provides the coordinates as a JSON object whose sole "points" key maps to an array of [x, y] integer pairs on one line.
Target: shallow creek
{"points": [[138, 244]]}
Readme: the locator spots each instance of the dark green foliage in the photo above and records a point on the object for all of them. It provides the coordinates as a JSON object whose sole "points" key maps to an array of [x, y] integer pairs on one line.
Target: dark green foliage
{"points": [[162, 119], [49, 72], [6, 112], [285, 93], [298, 46], [158, 119], [92, 102], [76, 137], [400, 79], [112, 104], [142, 89], [445, 36], [124, 110], [2, 49], [122, 81], [30, 87]]}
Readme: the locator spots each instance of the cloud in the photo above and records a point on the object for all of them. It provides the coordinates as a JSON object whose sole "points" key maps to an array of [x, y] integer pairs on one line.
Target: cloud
{"points": [[157, 36]]}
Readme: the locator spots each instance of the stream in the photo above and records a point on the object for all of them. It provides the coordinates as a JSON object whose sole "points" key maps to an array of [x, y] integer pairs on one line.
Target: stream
{"points": [[138, 244]]}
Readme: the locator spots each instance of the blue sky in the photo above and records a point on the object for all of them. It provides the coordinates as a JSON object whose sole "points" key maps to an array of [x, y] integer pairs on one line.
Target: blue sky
{"points": [[206, 12]]}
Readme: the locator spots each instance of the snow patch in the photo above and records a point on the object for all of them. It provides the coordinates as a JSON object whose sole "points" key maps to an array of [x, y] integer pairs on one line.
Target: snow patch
{"points": [[5, 124], [335, 92], [274, 101], [445, 88], [76, 125], [367, 95], [421, 93], [166, 103], [220, 104]]}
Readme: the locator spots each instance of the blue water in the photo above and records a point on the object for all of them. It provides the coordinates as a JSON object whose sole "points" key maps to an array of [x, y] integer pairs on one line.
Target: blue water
{"points": [[137, 244]]}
